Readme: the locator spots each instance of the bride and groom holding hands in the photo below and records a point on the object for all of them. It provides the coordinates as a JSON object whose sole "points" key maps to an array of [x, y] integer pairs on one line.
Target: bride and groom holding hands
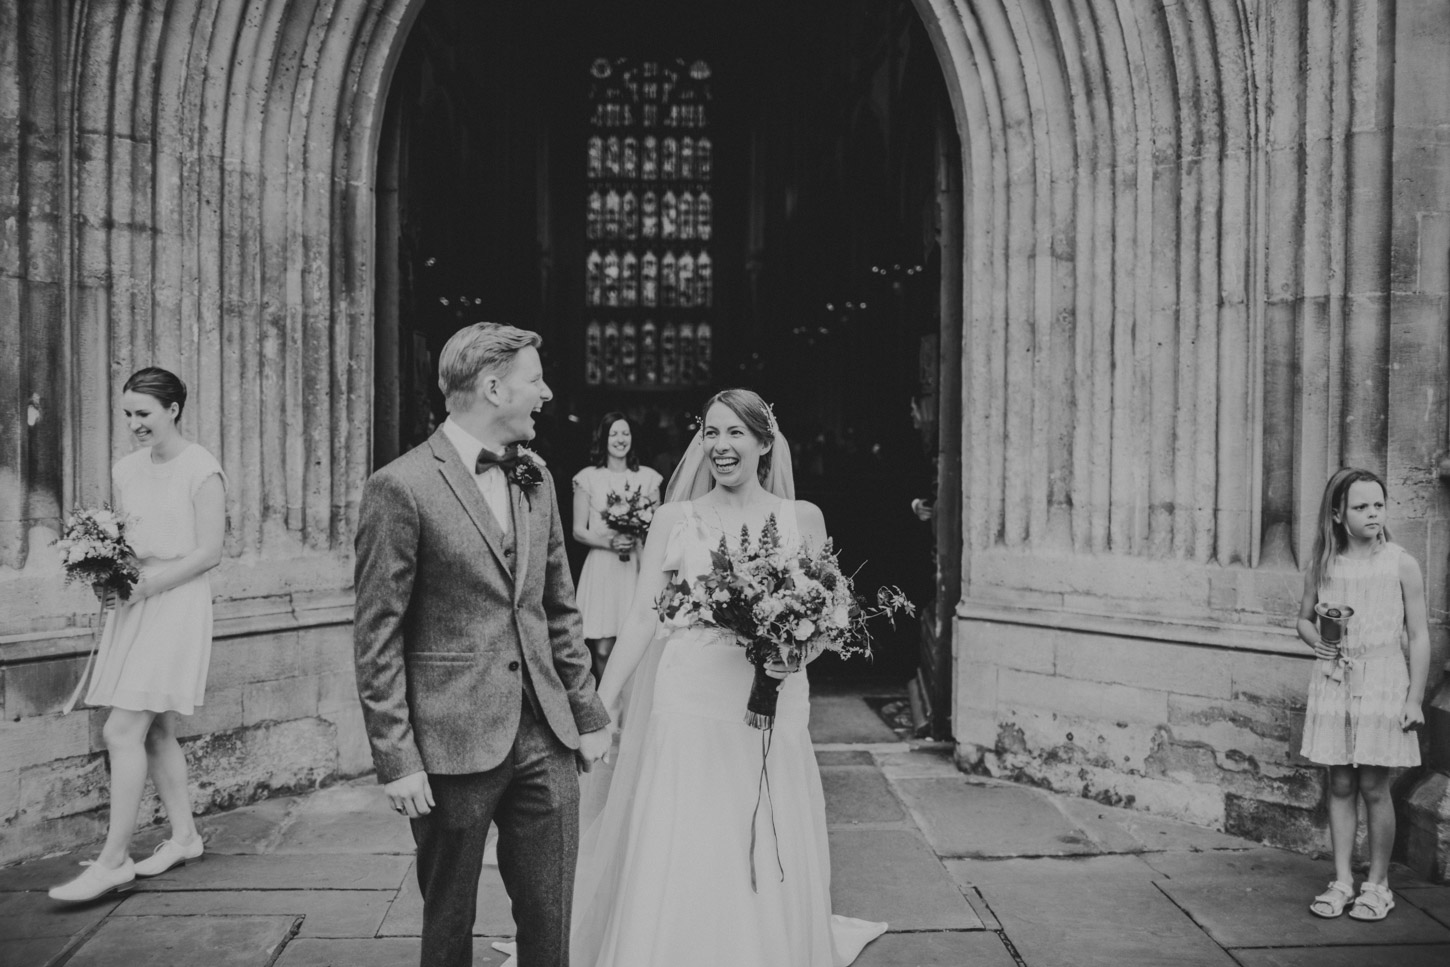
{"points": [[480, 705]]}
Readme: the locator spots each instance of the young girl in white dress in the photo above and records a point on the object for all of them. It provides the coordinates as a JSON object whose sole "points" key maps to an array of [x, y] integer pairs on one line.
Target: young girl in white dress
{"points": [[606, 584], [1364, 697], [152, 660], [674, 870]]}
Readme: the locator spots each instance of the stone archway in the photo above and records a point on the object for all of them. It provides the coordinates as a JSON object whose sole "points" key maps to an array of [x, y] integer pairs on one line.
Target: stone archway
{"points": [[1181, 249]]}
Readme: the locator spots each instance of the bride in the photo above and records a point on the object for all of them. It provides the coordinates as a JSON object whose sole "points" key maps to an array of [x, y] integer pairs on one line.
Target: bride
{"points": [[710, 846]]}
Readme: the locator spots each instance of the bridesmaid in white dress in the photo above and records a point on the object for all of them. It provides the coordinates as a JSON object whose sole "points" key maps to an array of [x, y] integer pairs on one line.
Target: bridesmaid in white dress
{"points": [[606, 584], [678, 867], [152, 661]]}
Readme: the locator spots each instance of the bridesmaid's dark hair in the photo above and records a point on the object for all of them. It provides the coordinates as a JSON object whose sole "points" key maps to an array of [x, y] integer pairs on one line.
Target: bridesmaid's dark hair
{"points": [[160, 384], [599, 451]]}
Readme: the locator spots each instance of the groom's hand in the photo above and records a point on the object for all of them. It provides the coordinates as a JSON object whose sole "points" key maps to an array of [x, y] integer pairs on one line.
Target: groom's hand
{"points": [[593, 746], [411, 795]]}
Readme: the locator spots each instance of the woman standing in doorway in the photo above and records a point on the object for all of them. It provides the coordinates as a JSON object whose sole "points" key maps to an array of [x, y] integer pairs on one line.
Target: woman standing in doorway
{"points": [[606, 584], [152, 661]]}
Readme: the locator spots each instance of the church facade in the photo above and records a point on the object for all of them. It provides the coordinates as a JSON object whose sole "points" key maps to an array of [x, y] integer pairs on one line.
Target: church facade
{"points": [[1193, 257]]}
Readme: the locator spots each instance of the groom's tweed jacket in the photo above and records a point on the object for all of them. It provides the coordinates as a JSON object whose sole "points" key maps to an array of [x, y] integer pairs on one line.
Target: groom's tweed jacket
{"points": [[450, 612]]}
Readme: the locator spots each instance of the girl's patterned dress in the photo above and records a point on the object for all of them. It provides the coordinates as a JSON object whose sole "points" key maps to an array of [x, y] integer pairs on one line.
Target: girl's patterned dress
{"points": [[1353, 715]]}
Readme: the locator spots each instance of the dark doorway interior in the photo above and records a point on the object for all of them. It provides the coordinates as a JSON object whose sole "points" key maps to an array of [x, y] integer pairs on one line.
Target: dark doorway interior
{"points": [[829, 131]]}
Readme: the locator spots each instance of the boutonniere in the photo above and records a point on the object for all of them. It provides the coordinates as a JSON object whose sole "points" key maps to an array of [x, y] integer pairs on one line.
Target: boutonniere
{"points": [[528, 472]]}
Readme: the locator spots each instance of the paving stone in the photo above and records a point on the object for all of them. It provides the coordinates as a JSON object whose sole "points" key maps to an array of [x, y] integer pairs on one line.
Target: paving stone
{"points": [[964, 818], [926, 763], [494, 912], [325, 913], [1428, 955], [982, 873], [892, 875], [1264, 861], [980, 948], [28, 916], [290, 872], [1117, 830], [41, 875], [1100, 911], [1263, 911], [250, 829], [1434, 900], [381, 952], [32, 952], [846, 718], [184, 942], [345, 819], [856, 795], [857, 757]]}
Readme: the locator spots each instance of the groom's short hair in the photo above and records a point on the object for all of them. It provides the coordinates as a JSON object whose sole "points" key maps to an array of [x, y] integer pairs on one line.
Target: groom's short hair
{"points": [[484, 347]]}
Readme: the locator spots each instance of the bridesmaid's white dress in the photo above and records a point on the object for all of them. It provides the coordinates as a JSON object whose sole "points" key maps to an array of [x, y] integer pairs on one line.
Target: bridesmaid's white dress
{"points": [[664, 873]]}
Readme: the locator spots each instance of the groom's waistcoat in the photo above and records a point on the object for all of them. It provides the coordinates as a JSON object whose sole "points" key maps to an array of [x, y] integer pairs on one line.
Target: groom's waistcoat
{"points": [[456, 623]]}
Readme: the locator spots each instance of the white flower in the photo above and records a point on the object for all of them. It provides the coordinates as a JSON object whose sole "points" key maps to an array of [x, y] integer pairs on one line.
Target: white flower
{"points": [[804, 629], [721, 595]]}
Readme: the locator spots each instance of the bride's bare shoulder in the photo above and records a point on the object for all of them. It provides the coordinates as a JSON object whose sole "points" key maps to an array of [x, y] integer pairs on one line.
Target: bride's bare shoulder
{"points": [[668, 515], [810, 522]]}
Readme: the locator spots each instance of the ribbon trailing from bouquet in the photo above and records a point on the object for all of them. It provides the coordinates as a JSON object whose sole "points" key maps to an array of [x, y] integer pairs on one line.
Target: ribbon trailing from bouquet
{"points": [[763, 787]]}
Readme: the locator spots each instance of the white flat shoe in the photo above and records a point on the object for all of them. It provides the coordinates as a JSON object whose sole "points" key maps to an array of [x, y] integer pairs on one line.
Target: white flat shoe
{"points": [[168, 854], [96, 881]]}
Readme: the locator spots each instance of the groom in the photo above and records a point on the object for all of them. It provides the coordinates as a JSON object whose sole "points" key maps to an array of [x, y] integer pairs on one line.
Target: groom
{"points": [[471, 667]]}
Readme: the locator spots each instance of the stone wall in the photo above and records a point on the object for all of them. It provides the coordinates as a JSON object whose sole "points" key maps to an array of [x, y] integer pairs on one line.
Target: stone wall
{"points": [[281, 715], [1206, 264]]}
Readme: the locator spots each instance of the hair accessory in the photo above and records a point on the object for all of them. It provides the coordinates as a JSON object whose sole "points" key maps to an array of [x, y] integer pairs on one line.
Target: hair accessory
{"points": [[770, 419]]}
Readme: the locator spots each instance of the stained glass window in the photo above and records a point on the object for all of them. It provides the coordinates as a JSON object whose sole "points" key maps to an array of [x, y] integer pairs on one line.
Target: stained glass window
{"points": [[649, 219]]}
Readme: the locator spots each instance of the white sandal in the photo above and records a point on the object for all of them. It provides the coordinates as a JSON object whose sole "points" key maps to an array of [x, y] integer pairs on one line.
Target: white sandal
{"points": [[1333, 900], [1373, 903]]}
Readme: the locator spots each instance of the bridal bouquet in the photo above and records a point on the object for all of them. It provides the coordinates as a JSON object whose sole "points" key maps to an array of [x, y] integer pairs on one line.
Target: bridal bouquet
{"points": [[94, 549], [779, 601], [628, 513]]}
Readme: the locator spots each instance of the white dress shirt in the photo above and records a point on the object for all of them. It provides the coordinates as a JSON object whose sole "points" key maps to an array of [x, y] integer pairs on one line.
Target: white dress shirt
{"points": [[491, 483]]}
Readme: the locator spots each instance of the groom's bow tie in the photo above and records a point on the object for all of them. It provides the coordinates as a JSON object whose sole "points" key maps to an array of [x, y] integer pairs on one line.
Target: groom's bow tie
{"points": [[487, 458]]}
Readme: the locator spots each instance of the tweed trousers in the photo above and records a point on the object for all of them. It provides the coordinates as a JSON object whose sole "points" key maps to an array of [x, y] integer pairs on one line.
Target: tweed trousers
{"points": [[533, 798]]}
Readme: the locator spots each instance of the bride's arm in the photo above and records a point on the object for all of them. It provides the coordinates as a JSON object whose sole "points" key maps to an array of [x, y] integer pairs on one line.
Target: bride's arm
{"points": [[639, 627]]}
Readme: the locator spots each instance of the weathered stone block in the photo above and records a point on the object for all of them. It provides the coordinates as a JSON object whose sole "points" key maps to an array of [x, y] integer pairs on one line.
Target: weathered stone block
{"points": [[1084, 699], [244, 765], [1260, 732], [354, 753], [336, 691], [977, 685], [256, 658], [1010, 646], [64, 787], [221, 712], [1275, 824], [39, 688], [1272, 679], [42, 738], [280, 700], [31, 840], [9, 795], [1146, 664]]}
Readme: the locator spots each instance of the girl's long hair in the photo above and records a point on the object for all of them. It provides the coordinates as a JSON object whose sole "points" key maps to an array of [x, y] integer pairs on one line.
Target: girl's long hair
{"points": [[1331, 538], [599, 452]]}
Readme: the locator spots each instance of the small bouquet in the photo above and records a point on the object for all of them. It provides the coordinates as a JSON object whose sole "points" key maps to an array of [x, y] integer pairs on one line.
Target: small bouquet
{"points": [[94, 549], [628, 513], [778, 600]]}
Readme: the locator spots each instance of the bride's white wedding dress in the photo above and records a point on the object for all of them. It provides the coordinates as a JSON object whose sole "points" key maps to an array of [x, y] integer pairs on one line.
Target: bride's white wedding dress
{"points": [[664, 875]]}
